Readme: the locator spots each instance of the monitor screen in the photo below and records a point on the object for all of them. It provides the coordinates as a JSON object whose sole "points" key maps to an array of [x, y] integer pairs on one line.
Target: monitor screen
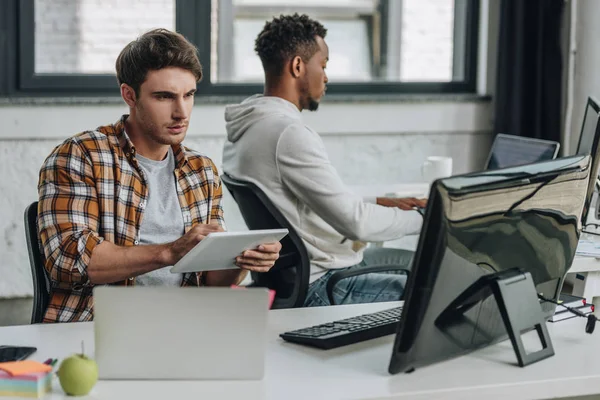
{"points": [[509, 151], [589, 140], [478, 224], [588, 128]]}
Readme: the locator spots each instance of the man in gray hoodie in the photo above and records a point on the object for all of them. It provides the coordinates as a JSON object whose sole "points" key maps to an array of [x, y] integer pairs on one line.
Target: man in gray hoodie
{"points": [[269, 145]]}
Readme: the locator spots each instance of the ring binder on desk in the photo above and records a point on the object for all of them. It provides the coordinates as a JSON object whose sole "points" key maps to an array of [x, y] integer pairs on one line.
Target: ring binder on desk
{"points": [[519, 308]]}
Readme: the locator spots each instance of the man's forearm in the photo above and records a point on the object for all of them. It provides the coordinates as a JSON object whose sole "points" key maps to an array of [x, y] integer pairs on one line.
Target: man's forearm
{"points": [[226, 277], [111, 263]]}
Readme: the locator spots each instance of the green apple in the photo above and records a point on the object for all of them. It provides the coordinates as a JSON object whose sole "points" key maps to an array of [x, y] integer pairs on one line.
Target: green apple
{"points": [[77, 374]]}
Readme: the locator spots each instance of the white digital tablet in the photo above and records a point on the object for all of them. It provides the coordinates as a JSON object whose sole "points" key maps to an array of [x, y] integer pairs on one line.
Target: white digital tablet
{"points": [[219, 250]]}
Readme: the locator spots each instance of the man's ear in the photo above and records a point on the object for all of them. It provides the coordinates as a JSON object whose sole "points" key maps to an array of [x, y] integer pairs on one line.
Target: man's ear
{"points": [[297, 67], [128, 94]]}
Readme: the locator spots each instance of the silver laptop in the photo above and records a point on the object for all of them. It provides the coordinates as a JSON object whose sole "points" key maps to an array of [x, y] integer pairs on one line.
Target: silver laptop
{"points": [[184, 333], [509, 151]]}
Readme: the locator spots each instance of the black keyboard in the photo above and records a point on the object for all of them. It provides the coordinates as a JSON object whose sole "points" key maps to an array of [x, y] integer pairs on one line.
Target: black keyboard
{"points": [[347, 331]]}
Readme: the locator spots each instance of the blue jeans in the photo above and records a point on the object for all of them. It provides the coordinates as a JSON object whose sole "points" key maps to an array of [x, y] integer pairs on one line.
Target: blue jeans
{"points": [[366, 288]]}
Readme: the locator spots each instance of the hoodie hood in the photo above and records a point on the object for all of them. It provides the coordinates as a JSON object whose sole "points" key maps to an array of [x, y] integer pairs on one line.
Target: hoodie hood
{"points": [[240, 117]]}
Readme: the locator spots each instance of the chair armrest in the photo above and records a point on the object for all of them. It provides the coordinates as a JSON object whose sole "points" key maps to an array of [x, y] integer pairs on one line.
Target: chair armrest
{"points": [[338, 276]]}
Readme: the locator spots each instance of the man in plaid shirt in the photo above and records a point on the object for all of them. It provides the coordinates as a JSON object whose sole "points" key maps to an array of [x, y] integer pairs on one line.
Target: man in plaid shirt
{"points": [[122, 203]]}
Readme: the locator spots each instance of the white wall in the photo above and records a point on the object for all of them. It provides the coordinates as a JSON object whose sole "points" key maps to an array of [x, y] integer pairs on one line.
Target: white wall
{"points": [[587, 63], [367, 143]]}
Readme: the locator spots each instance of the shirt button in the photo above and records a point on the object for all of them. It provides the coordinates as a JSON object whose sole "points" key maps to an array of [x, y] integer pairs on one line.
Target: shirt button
{"points": [[136, 242]]}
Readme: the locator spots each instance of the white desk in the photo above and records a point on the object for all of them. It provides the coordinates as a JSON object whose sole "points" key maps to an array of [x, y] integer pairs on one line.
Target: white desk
{"points": [[353, 372]]}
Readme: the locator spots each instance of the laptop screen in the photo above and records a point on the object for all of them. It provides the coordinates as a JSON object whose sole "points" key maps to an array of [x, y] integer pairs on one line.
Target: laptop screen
{"points": [[509, 151]]}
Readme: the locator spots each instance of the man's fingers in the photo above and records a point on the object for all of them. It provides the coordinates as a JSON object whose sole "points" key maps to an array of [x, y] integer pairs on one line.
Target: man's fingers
{"points": [[270, 247], [205, 229], [407, 203], [255, 261], [255, 268], [212, 227], [260, 255], [404, 205]]}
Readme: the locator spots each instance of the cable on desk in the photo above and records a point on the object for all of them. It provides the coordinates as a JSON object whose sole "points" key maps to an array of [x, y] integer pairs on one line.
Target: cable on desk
{"points": [[591, 323]]}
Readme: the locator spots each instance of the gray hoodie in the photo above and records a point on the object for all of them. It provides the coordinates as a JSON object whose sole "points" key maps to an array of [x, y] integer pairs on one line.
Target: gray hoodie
{"points": [[269, 144]]}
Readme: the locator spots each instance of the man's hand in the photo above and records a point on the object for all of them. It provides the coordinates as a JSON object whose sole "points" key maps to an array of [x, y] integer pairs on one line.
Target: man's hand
{"points": [[407, 203], [179, 248], [260, 259]]}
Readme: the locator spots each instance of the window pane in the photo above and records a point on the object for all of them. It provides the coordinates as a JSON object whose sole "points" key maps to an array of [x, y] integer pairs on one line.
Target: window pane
{"points": [[427, 36], [369, 40], [86, 36]]}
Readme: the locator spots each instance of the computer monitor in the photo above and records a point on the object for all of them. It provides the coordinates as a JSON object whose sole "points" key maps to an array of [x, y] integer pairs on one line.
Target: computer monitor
{"points": [[479, 224], [587, 137], [509, 151], [589, 140]]}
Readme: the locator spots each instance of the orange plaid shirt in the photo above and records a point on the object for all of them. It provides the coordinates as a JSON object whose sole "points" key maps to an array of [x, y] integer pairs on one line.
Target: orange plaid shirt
{"points": [[90, 190]]}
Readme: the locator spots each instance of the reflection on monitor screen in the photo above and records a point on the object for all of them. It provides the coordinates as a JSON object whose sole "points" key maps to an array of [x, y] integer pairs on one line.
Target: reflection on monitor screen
{"points": [[527, 217]]}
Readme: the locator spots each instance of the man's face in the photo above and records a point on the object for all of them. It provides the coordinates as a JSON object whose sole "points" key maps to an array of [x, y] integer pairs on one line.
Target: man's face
{"points": [[164, 105], [313, 86]]}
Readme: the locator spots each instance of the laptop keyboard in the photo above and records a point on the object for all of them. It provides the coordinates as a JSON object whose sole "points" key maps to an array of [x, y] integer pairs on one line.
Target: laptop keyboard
{"points": [[347, 331]]}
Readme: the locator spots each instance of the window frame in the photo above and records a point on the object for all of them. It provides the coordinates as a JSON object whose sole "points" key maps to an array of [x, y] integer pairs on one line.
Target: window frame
{"points": [[18, 77]]}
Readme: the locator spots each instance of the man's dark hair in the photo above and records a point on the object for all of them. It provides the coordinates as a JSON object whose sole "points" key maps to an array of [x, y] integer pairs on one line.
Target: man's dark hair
{"points": [[286, 37], [154, 50]]}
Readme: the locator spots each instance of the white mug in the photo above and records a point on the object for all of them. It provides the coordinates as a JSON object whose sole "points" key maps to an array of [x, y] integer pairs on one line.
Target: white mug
{"points": [[436, 167]]}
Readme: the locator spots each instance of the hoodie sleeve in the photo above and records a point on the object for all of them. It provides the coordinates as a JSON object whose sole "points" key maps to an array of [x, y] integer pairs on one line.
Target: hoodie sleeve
{"points": [[305, 169]]}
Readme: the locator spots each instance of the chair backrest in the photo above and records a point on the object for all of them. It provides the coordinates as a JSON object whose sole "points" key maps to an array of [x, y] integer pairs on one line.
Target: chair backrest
{"points": [[289, 277], [41, 282]]}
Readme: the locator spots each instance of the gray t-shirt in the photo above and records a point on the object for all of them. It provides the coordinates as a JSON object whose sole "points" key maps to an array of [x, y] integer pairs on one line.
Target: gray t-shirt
{"points": [[162, 221]]}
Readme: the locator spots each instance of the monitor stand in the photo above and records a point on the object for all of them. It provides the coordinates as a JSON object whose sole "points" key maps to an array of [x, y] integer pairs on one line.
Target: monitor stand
{"points": [[519, 308]]}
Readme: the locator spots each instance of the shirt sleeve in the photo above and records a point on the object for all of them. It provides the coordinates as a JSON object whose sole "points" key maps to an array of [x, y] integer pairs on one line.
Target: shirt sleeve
{"points": [[306, 170], [216, 212], [68, 214]]}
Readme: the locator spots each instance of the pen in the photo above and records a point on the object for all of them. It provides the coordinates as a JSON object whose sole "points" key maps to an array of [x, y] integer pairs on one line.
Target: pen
{"points": [[48, 361], [54, 362]]}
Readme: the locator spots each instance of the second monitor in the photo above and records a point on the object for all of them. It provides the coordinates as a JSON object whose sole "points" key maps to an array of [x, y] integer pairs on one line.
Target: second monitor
{"points": [[589, 144]]}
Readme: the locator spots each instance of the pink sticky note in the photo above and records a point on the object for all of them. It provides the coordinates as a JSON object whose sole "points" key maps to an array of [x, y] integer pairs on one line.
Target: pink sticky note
{"points": [[271, 294], [271, 298]]}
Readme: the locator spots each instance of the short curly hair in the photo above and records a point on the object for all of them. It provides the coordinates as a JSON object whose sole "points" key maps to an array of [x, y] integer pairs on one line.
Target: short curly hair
{"points": [[154, 50], [286, 37]]}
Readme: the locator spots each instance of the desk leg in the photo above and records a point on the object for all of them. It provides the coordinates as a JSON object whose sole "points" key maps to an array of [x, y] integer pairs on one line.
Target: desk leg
{"points": [[589, 287]]}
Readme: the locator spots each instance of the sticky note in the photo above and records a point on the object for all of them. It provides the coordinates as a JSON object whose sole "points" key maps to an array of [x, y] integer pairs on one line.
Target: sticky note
{"points": [[16, 368]]}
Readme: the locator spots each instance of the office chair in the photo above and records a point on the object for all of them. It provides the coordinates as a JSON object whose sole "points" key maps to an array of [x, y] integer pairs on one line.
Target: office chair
{"points": [[289, 276], [41, 282]]}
